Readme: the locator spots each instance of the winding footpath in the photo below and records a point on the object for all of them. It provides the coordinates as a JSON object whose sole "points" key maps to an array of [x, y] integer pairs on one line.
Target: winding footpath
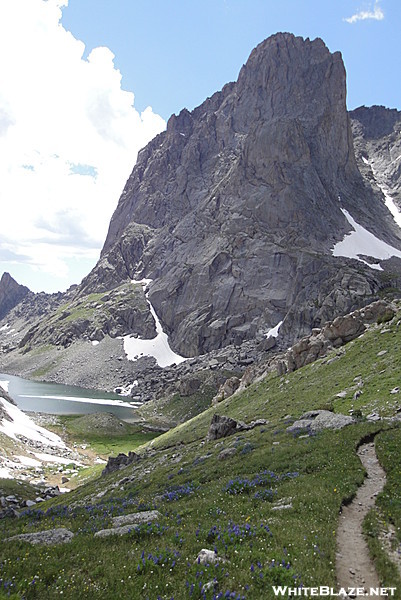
{"points": [[354, 566]]}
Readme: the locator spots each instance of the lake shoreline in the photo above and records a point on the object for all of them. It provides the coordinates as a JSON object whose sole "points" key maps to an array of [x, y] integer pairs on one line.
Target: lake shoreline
{"points": [[61, 399]]}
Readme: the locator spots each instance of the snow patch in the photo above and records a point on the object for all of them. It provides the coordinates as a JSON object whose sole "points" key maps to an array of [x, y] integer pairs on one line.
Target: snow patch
{"points": [[23, 425], [365, 160], [273, 332], [362, 242], [101, 401], [28, 462], [95, 343], [126, 390], [5, 473], [51, 458], [4, 385], [389, 202], [157, 347]]}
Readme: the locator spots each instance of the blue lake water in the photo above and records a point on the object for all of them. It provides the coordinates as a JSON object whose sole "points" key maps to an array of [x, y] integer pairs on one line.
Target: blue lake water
{"points": [[58, 399]]}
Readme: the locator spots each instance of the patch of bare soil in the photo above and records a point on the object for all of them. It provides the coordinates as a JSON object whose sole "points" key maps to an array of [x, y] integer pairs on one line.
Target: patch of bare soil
{"points": [[354, 565]]}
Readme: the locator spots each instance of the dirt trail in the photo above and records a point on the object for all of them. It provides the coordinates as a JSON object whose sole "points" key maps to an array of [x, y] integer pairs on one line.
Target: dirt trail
{"points": [[354, 566]]}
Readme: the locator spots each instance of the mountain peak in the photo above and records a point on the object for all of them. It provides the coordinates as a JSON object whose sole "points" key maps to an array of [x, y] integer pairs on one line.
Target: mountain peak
{"points": [[233, 211], [11, 293]]}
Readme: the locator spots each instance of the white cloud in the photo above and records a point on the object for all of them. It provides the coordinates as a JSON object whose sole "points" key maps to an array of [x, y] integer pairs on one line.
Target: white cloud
{"points": [[376, 14], [69, 137]]}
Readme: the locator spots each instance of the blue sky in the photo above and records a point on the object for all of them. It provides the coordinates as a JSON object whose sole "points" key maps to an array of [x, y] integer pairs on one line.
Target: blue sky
{"points": [[84, 84], [175, 53]]}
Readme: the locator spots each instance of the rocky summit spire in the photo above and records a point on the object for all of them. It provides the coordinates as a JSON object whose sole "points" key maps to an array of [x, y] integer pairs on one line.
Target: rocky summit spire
{"points": [[11, 293], [234, 209]]}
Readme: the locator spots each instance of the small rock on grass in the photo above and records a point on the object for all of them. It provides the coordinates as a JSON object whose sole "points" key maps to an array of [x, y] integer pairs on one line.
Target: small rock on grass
{"points": [[206, 556], [115, 531]]}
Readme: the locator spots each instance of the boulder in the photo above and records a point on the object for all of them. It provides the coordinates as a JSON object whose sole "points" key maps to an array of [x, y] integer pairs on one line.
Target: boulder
{"points": [[137, 518], [306, 351], [248, 426], [227, 453], [9, 513], [221, 427], [345, 328], [317, 420], [227, 389], [124, 529], [376, 311], [50, 537], [209, 557], [115, 463]]}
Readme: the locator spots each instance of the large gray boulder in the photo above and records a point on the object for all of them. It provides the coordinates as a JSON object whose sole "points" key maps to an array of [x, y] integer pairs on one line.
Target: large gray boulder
{"points": [[220, 427], [344, 329], [50, 537], [317, 420], [145, 516]]}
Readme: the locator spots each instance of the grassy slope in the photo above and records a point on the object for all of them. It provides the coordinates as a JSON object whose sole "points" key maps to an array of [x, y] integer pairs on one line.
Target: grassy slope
{"points": [[182, 475], [113, 437]]}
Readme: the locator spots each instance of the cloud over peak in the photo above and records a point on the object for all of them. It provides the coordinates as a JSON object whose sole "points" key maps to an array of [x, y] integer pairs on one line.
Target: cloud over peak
{"points": [[375, 14], [69, 137]]}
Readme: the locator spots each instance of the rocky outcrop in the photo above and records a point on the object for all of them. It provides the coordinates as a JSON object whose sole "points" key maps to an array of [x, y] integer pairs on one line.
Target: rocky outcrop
{"points": [[334, 334], [233, 211], [115, 463], [91, 317], [11, 293], [227, 389], [221, 427]]}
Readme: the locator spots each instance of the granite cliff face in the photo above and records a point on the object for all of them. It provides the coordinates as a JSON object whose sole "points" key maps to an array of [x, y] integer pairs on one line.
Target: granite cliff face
{"points": [[234, 210], [377, 134]]}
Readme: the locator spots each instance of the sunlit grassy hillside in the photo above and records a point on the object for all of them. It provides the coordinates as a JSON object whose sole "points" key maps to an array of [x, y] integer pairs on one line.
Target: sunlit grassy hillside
{"points": [[265, 502]]}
